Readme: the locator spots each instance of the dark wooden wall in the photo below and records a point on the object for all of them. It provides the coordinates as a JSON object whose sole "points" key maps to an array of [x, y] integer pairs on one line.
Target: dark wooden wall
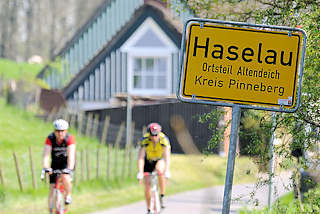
{"points": [[161, 113]]}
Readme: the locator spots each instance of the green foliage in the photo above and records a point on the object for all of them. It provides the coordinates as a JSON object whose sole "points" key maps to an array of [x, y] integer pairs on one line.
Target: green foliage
{"points": [[213, 119], [254, 135], [312, 201]]}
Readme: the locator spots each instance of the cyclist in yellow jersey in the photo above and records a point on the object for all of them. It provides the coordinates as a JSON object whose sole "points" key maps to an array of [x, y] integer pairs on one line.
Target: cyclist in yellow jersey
{"points": [[154, 154]]}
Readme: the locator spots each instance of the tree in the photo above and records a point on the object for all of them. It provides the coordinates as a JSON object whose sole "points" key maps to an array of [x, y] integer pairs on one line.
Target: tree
{"points": [[29, 8], [302, 127]]}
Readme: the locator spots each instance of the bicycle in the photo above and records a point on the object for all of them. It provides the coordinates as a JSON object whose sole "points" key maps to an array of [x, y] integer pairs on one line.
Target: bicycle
{"points": [[155, 206], [57, 205]]}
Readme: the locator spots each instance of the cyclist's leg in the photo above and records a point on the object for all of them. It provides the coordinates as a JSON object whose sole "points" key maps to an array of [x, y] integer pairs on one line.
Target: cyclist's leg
{"points": [[147, 190], [50, 198], [52, 179], [67, 184], [162, 181], [149, 166]]}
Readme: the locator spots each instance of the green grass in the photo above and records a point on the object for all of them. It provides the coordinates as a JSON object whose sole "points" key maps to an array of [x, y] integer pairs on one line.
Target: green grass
{"points": [[17, 70], [285, 204], [21, 130]]}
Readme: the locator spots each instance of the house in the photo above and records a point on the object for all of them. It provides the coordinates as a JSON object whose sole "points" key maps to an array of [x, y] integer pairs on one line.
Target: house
{"points": [[128, 47]]}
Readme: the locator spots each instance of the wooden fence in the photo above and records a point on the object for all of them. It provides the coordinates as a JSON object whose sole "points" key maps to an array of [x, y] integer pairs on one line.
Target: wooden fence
{"points": [[105, 162], [113, 158]]}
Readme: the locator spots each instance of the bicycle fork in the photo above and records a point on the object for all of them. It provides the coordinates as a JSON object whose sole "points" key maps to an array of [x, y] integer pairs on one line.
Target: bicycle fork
{"points": [[155, 200]]}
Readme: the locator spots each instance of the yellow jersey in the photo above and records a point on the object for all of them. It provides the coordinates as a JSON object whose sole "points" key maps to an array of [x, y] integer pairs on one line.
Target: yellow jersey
{"points": [[154, 152]]}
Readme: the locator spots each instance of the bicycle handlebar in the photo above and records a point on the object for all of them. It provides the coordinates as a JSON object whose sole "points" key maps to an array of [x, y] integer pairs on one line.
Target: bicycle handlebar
{"points": [[56, 171], [155, 173]]}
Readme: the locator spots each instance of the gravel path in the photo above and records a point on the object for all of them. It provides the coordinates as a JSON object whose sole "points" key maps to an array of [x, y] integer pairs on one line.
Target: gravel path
{"points": [[210, 200]]}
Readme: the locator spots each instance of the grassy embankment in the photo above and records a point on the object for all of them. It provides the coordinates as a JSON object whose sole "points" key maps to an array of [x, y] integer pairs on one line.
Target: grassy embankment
{"points": [[20, 130], [14, 70]]}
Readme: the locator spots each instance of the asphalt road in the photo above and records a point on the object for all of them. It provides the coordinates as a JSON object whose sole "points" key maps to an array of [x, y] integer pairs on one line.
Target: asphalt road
{"points": [[210, 200]]}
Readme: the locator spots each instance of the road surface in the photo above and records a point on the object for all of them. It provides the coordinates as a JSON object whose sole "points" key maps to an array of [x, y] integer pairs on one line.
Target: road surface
{"points": [[210, 200]]}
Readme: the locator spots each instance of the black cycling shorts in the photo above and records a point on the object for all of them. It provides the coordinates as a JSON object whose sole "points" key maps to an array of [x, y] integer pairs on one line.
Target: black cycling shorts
{"points": [[53, 178], [57, 165], [150, 165]]}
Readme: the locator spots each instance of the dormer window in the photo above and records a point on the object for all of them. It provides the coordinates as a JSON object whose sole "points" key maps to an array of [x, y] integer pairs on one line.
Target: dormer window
{"points": [[149, 52], [150, 73]]}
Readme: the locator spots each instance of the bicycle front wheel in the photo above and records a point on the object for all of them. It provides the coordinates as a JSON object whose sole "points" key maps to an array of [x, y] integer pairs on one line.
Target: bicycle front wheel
{"points": [[60, 206], [155, 202]]}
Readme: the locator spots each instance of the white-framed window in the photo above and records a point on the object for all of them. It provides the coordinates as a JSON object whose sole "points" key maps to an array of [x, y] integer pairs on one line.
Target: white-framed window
{"points": [[149, 54], [150, 73]]}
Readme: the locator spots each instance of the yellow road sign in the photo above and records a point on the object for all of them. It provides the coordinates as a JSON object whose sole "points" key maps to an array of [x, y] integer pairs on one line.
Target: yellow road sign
{"points": [[240, 65]]}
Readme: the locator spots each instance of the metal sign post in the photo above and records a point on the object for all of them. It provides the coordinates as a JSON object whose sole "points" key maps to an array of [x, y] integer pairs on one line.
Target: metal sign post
{"points": [[271, 163], [236, 112]]}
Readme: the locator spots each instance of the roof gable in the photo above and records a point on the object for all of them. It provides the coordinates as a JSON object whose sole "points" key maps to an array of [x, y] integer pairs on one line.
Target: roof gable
{"points": [[149, 39], [143, 13]]}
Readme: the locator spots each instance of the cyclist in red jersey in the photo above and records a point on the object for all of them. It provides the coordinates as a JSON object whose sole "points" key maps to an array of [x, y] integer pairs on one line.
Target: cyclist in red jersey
{"points": [[61, 148]]}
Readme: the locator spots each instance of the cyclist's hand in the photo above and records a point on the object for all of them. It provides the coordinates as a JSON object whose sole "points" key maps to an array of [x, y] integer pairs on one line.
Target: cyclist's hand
{"points": [[167, 174], [44, 171], [48, 170], [140, 175], [67, 171]]}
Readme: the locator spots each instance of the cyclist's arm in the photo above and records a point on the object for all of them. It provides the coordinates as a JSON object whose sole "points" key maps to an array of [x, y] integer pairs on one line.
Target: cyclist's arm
{"points": [[46, 156], [141, 156], [71, 150], [166, 156]]}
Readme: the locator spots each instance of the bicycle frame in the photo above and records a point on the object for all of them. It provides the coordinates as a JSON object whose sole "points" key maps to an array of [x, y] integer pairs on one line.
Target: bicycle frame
{"points": [[57, 205], [154, 200], [58, 195]]}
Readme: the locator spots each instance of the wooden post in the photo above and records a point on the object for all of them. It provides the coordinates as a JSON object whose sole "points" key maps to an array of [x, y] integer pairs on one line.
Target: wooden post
{"points": [[127, 164], [117, 143], [88, 163], [34, 182], [130, 150], [124, 162], [89, 124], [80, 123], [82, 166], [18, 171], [95, 126], [108, 161], [132, 163], [98, 162], [72, 120], [2, 176], [75, 177], [105, 130]]}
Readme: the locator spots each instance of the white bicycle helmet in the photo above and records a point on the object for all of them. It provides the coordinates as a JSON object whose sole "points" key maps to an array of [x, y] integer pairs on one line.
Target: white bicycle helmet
{"points": [[60, 124]]}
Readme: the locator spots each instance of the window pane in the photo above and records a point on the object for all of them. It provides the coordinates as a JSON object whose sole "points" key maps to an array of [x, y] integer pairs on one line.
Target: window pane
{"points": [[137, 82], [162, 82], [149, 82], [137, 65], [150, 64], [162, 65]]}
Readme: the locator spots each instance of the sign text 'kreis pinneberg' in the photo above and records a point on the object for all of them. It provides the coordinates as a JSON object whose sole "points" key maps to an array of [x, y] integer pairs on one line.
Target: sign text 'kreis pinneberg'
{"points": [[241, 65]]}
